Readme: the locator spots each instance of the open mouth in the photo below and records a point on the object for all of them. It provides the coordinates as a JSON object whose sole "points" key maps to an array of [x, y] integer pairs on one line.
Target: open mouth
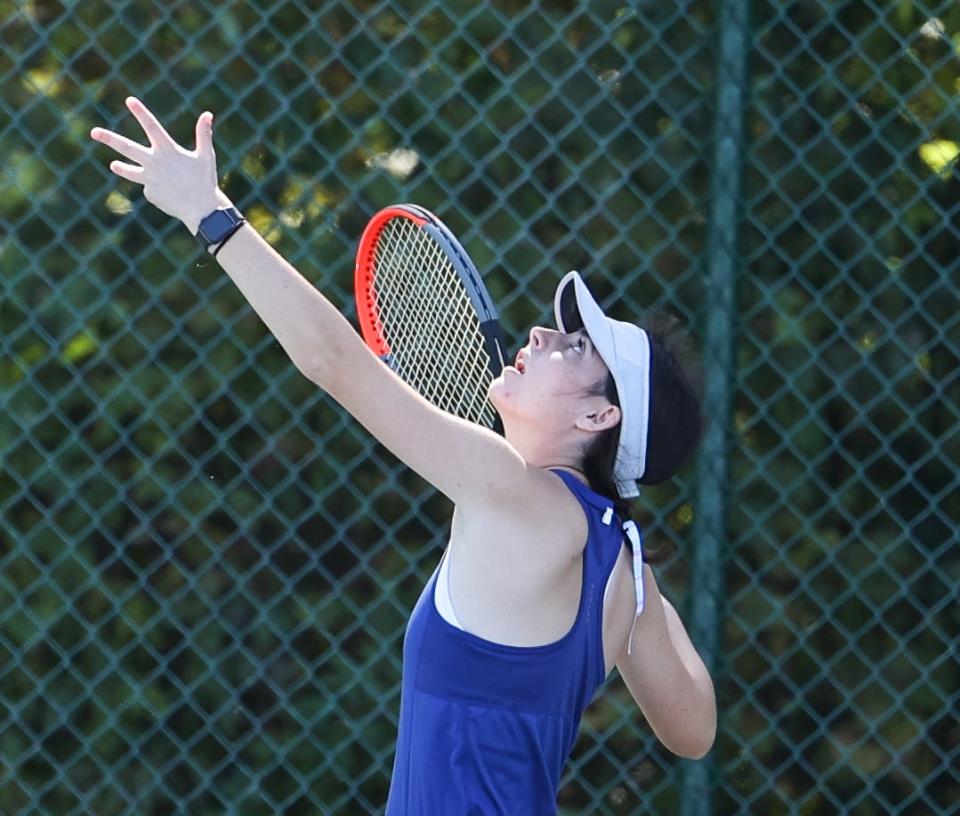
{"points": [[519, 365]]}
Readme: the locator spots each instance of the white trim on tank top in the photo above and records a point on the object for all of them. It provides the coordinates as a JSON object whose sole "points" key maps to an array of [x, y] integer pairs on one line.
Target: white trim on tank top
{"points": [[442, 596]]}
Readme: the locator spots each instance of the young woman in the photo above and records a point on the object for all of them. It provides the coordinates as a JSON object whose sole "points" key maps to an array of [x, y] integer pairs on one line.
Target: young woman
{"points": [[542, 588]]}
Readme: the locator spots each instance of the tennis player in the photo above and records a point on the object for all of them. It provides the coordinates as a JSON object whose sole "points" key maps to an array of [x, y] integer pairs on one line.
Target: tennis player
{"points": [[542, 588]]}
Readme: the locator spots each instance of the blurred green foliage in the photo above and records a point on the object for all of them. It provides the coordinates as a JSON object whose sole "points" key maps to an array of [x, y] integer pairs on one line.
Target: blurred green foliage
{"points": [[206, 568]]}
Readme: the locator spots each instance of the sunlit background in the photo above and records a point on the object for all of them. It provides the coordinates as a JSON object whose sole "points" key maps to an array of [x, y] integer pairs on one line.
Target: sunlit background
{"points": [[206, 567]]}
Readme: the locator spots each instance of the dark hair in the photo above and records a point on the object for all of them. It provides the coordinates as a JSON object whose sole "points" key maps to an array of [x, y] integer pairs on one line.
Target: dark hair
{"points": [[675, 423]]}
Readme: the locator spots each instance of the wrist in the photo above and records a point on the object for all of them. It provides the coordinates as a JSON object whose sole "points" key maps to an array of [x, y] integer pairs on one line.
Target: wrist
{"points": [[219, 202]]}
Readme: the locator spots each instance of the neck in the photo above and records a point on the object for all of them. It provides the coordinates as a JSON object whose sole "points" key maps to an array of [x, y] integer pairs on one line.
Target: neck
{"points": [[576, 472], [541, 449]]}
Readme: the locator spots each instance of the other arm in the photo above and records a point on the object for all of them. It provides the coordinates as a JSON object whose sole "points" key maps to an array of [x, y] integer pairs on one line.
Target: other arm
{"points": [[667, 678]]}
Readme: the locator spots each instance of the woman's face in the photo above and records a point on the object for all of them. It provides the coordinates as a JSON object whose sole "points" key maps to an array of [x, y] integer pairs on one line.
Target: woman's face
{"points": [[549, 379]]}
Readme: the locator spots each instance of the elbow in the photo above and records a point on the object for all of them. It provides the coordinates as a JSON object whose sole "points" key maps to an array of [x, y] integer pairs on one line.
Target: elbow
{"points": [[702, 730], [320, 369], [313, 369], [693, 746], [698, 749], [698, 736]]}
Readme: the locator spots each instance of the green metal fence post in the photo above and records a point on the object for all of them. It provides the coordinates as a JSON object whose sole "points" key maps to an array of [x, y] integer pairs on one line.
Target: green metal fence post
{"points": [[710, 525]]}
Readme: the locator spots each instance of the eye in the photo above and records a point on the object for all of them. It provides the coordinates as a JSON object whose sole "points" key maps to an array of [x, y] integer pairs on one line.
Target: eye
{"points": [[580, 345]]}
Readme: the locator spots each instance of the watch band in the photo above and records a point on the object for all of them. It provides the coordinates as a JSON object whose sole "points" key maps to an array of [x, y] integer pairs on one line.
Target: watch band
{"points": [[218, 226], [229, 236]]}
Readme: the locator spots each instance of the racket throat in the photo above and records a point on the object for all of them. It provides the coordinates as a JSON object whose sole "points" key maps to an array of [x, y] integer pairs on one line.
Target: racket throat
{"points": [[493, 343]]}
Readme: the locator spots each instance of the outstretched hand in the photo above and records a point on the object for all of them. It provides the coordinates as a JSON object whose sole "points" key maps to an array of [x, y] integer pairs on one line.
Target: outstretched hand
{"points": [[182, 183]]}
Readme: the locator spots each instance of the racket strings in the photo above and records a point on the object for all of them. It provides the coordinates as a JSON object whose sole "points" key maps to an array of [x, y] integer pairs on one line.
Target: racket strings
{"points": [[430, 323], [432, 320]]}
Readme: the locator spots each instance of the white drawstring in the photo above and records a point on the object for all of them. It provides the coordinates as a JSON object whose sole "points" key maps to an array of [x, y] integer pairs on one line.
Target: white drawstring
{"points": [[636, 542]]}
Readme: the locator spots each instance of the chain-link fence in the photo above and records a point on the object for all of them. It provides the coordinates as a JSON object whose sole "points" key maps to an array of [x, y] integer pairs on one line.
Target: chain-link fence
{"points": [[206, 567]]}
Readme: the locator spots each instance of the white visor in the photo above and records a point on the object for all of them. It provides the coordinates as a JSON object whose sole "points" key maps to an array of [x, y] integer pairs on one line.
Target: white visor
{"points": [[625, 348]]}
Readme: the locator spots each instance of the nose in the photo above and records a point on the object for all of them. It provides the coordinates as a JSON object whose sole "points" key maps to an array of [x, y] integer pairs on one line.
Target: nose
{"points": [[538, 338]]}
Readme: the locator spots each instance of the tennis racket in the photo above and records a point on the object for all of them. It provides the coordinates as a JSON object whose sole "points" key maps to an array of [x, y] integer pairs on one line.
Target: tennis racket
{"points": [[425, 312]]}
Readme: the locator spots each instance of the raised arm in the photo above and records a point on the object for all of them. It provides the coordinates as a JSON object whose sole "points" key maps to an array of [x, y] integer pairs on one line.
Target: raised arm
{"points": [[667, 678], [468, 463]]}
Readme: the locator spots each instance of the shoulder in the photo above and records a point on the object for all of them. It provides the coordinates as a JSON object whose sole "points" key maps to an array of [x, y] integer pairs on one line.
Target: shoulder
{"points": [[544, 513], [561, 507]]}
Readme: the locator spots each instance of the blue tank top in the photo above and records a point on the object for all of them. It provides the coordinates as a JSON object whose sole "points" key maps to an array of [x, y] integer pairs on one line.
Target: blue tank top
{"points": [[486, 728]]}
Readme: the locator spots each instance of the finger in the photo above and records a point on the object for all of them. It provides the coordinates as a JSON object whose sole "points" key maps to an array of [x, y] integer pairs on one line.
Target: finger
{"points": [[205, 133], [128, 171], [154, 130], [123, 145]]}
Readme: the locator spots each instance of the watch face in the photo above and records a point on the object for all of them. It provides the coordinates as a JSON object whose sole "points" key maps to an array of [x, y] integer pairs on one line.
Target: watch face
{"points": [[215, 225]]}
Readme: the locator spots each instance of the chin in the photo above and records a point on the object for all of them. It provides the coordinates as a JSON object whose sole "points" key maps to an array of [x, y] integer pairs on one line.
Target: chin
{"points": [[499, 395]]}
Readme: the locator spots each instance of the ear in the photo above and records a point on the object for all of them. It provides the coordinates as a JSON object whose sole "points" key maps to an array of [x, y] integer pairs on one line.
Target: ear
{"points": [[600, 419]]}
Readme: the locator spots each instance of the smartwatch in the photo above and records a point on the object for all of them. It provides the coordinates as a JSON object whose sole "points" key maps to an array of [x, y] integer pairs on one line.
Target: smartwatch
{"points": [[217, 227]]}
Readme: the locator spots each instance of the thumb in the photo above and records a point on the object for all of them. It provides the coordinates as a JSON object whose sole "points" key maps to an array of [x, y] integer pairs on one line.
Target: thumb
{"points": [[205, 133]]}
